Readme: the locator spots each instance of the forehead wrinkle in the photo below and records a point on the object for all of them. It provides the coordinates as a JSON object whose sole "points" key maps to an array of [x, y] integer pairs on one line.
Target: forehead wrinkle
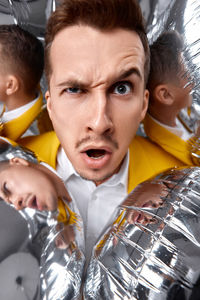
{"points": [[124, 66], [69, 79], [76, 36], [120, 75], [102, 72], [124, 73]]}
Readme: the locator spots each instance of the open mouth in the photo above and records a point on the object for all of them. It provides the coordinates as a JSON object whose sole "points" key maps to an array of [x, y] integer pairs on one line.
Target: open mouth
{"points": [[96, 158], [96, 153]]}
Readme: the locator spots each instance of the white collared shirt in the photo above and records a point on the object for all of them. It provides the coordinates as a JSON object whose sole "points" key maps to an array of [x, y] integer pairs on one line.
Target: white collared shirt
{"points": [[97, 204], [178, 130], [15, 113]]}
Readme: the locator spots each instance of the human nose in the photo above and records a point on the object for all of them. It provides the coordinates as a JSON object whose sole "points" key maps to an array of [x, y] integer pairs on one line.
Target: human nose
{"points": [[100, 121], [17, 201]]}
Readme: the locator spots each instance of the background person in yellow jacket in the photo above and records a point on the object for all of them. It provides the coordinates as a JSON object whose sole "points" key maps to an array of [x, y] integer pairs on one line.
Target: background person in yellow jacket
{"points": [[21, 68], [97, 64], [170, 87]]}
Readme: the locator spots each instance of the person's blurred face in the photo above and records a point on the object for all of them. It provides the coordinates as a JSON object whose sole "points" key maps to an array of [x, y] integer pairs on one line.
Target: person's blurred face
{"points": [[96, 98], [25, 186]]}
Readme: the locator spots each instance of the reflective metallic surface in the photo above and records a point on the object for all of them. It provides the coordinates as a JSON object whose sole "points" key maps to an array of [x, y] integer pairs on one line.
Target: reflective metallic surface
{"points": [[194, 146], [32, 15], [8, 151], [58, 247], [46, 261], [152, 250]]}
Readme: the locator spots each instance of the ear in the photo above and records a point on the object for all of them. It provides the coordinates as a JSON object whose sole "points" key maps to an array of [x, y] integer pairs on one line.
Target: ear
{"points": [[48, 99], [18, 161], [12, 85], [145, 104], [163, 94]]}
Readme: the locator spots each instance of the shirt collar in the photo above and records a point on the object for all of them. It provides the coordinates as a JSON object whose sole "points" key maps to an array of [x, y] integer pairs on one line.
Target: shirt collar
{"points": [[66, 170], [122, 176], [178, 130], [64, 166], [12, 114]]}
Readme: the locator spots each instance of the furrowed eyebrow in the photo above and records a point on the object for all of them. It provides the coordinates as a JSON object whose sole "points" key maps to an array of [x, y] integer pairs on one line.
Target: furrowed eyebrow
{"points": [[72, 83], [82, 85], [128, 73]]}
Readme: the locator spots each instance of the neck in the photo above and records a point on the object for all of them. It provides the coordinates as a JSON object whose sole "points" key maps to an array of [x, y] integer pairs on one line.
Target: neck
{"points": [[19, 99], [165, 115]]}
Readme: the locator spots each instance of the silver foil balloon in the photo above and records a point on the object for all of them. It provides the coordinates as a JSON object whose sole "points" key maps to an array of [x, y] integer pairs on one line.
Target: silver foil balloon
{"points": [[31, 15], [52, 250], [152, 251], [194, 147], [8, 151], [59, 249]]}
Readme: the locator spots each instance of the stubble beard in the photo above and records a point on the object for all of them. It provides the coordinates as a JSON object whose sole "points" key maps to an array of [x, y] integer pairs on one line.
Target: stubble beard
{"points": [[96, 179]]}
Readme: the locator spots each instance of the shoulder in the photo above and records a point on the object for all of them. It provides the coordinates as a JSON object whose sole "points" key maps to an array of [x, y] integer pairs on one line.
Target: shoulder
{"points": [[45, 146], [144, 146], [144, 143], [47, 136], [147, 160], [168, 141]]}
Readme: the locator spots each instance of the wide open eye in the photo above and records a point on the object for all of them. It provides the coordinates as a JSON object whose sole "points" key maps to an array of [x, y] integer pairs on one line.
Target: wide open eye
{"points": [[122, 88]]}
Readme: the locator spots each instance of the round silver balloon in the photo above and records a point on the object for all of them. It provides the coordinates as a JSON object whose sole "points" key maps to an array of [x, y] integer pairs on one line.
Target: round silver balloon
{"points": [[152, 251], [41, 253]]}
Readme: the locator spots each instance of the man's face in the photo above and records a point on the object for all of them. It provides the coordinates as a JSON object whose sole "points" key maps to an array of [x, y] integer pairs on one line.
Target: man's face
{"points": [[96, 98]]}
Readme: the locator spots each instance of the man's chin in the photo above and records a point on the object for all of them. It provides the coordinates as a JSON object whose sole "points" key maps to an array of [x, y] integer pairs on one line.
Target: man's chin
{"points": [[96, 178]]}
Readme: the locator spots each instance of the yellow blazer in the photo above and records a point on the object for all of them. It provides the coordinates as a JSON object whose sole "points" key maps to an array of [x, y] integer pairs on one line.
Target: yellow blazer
{"points": [[168, 141], [146, 158], [15, 128]]}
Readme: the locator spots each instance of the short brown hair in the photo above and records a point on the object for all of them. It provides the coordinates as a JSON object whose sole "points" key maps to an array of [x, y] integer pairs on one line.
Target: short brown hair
{"points": [[100, 14], [22, 54], [165, 63]]}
